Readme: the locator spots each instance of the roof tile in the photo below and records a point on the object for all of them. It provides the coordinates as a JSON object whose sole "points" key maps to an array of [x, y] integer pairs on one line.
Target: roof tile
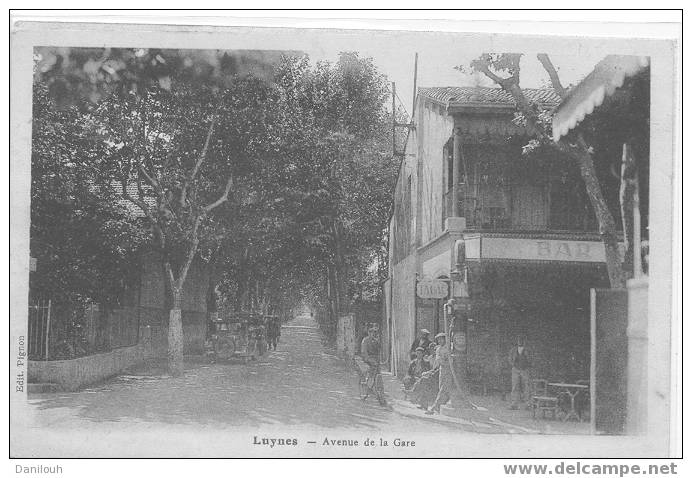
{"points": [[476, 95]]}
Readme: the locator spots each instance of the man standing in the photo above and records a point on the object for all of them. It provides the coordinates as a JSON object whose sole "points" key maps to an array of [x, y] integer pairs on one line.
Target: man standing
{"points": [[443, 363], [422, 341], [520, 361], [273, 331], [370, 352]]}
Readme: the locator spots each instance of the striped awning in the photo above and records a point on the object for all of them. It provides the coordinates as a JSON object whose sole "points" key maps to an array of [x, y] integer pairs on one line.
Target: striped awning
{"points": [[608, 75]]}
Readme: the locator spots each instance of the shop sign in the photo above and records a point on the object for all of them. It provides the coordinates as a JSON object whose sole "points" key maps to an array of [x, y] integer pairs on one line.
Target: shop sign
{"points": [[459, 341], [462, 305], [460, 289], [543, 250], [432, 289]]}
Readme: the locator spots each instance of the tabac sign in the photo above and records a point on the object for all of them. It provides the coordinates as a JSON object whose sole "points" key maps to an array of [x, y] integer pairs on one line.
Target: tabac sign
{"points": [[432, 289]]}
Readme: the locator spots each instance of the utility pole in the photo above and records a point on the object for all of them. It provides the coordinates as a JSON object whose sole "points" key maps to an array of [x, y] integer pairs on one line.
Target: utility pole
{"points": [[408, 125], [394, 119], [415, 86]]}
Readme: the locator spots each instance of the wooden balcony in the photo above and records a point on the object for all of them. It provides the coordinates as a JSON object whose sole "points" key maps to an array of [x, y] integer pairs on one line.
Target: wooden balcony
{"points": [[516, 208]]}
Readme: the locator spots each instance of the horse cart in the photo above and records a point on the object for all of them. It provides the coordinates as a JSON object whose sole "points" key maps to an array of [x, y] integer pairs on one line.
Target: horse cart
{"points": [[240, 337]]}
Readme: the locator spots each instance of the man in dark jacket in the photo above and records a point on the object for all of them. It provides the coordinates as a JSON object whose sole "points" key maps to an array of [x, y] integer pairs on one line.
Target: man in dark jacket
{"points": [[370, 348], [273, 331], [520, 361]]}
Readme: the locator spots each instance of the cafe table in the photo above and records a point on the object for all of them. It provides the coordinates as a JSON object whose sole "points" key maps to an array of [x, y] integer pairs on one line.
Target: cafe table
{"points": [[571, 390]]}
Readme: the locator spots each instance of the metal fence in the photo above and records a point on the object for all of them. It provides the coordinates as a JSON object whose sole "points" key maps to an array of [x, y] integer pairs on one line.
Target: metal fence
{"points": [[59, 331], [38, 327]]}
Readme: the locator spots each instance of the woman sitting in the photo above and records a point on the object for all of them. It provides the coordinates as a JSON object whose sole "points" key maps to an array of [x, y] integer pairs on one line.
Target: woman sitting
{"points": [[416, 368], [426, 387]]}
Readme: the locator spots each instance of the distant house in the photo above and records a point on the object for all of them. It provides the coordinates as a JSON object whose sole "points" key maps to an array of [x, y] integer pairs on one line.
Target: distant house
{"points": [[152, 305], [151, 302]]}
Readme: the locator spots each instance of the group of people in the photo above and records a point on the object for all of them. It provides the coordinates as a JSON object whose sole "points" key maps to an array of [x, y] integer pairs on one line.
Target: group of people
{"points": [[264, 336], [429, 380]]}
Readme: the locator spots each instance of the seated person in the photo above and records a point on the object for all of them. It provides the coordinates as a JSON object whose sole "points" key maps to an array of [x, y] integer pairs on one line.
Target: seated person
{"points": [[416, 368], [422, 341], [429, 354], [425, 389]]}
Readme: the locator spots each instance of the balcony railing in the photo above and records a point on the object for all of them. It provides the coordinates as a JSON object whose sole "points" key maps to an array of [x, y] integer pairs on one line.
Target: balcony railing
{"points": [[517, 208]]}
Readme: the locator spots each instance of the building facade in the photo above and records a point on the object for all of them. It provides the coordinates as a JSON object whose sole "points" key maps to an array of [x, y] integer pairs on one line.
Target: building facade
{"points": [[519, 226]]}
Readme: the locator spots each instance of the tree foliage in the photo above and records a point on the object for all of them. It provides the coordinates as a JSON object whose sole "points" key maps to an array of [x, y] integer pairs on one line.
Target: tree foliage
{"points": [[281, 187], [84, 242], [505, 70]]}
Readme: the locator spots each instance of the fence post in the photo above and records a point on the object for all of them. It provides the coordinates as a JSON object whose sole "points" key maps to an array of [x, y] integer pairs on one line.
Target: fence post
{"points": [[48, 329]]}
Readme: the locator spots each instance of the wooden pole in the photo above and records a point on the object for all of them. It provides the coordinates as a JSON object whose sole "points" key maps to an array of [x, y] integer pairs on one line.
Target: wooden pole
{"points": [[636, 225], [415, 86], [456, 173], [48, 328], [393, 118]]}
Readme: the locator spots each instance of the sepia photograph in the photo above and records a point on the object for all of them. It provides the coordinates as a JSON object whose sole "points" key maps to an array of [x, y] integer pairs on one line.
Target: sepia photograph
{"points": [[234, 241]]}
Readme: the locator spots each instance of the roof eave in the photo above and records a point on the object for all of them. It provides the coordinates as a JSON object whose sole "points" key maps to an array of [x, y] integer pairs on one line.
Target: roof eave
{"points": [[480, 108]]}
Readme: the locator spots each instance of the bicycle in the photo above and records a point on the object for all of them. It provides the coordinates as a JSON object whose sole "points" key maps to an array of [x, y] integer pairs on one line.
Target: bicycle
{"points": [[371, 384]]}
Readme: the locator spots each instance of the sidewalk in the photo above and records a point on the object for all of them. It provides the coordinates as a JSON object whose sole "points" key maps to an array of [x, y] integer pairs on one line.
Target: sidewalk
{"points": [[502, 420]]}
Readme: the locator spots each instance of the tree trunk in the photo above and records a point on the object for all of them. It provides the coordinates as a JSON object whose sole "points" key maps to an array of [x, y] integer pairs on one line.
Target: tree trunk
{"points": [[340, 272], [175, 333], [344, 302], [606, 223], [332, 294], [628, 190]]}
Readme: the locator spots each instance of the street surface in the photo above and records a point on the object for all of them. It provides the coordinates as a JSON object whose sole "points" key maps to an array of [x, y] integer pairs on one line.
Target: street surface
{"points": [[300, 384], [301, 392]]}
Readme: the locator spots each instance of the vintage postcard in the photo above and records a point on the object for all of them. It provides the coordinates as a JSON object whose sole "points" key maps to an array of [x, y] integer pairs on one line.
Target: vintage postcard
{"points": [[307, 241]]}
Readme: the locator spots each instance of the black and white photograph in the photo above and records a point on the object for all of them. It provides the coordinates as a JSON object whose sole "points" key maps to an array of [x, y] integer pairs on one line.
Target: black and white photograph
{"points": [[236, 241]]}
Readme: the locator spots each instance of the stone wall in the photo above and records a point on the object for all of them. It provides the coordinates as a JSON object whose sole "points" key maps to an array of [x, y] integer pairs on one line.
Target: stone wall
{"points": [[403, 313], [194, 330], [346, 336], [637, 363], [74, 374]]}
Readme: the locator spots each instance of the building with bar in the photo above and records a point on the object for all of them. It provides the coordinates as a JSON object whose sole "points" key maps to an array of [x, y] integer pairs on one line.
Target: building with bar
{"points": [[519, 225]]}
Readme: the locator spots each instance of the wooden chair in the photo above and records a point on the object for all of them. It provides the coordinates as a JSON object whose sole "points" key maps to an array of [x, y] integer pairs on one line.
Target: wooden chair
{"points": [[583, 400], [540, 400]]}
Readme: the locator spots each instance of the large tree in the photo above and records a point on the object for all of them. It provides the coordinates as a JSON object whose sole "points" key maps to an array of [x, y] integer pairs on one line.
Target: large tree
{"points": [[347, 179], [505, 70], [176, 155]]}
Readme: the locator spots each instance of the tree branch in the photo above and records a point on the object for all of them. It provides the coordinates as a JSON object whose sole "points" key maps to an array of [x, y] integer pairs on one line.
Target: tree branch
{"points": [[169, 272], [139, 203], [223, 197], [483, 66], [552, 73], [198, 164], [191, 250], [150, 179], [511, 86]]}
